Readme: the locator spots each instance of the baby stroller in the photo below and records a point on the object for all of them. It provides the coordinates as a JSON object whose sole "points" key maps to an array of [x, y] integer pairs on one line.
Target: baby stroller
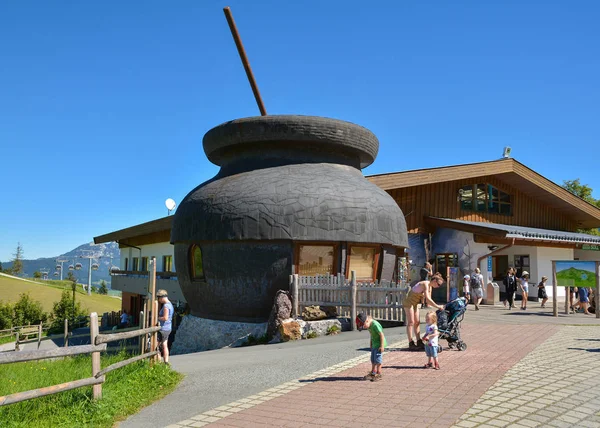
{"points": [[449, 321]]}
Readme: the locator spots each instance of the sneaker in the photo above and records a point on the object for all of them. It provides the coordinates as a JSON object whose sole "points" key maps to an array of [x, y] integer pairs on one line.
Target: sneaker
{"points": [[428, 366], [420, 345], [369, 376], [412, 346], [437, 367], [376, 377]]}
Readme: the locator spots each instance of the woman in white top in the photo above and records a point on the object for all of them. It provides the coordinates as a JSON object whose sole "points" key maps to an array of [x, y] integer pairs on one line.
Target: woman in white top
{"points": [[524, 284]]}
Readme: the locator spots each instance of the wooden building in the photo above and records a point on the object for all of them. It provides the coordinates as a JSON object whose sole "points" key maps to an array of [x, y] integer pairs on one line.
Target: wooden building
{"points": [[492, 215]]}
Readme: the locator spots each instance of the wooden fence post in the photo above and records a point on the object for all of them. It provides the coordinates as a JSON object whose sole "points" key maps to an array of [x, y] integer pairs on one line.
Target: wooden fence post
{"points": [[39, 335], [153, 341], [94, 331], [295, 284], [596, 296], [555, 291], [142, 339], [567, 300], [17, 347], [353, 292], [66, 334]]}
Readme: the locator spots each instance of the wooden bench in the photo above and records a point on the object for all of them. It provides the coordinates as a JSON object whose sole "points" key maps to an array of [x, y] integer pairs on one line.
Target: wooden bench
{"points": [[26, 332]]}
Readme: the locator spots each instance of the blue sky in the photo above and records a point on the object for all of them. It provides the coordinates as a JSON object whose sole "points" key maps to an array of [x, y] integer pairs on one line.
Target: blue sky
{"points": [[103, 105]]}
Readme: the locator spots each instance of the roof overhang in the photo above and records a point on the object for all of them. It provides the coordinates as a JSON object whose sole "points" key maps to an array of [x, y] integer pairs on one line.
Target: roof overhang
{"points": [[509, 171], [157, 228], [530, 235]]}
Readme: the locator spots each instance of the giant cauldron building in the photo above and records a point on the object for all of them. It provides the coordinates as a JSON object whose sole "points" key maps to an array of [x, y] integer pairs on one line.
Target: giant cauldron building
{"points": [[289, 198]]}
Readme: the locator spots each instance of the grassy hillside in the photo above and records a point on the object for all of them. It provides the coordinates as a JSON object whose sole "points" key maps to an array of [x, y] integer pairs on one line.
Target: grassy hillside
{"points": [[10, 289]]}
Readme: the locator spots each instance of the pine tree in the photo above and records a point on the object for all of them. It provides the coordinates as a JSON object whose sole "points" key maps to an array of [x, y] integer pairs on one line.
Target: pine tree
{"points": [[17, 262]]}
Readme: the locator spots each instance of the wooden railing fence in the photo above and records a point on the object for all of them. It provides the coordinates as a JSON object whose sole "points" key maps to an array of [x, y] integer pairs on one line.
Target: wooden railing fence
{"points": [[98, 345], [382, 300]]}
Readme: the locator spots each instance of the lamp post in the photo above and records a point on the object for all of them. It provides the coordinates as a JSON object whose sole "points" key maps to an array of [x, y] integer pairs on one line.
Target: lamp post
{"points": [[91, 258]]}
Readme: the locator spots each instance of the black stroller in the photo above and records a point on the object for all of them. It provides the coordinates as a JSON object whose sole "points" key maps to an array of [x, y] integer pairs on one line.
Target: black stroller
{"points": [[449, 321]]}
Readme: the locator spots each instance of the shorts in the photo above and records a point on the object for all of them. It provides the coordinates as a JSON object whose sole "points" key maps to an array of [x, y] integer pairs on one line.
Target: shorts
{"points": [[412, 300], [477, 292], [376, 356], [542, 293], [583, 295], [163, 335], [431, 351]]}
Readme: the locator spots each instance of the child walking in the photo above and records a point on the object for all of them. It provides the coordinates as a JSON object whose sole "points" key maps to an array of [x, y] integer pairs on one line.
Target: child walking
{"points": [[378, 343], [431, 341]]}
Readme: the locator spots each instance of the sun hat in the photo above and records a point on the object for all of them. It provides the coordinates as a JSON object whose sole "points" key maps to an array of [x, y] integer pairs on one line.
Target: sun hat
{"points": [[525, 273], [467, 277]]}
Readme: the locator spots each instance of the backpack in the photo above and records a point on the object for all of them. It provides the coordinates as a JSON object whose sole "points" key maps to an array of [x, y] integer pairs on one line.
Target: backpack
{"points": [[475, 283]]}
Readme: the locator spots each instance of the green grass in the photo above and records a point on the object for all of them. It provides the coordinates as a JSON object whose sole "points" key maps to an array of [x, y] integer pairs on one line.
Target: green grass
{"points": [[125, 391], [10, 289]]}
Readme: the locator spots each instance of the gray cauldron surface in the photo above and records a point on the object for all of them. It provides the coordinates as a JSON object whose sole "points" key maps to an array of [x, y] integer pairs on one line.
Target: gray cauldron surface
{"points": [[283, 180]]}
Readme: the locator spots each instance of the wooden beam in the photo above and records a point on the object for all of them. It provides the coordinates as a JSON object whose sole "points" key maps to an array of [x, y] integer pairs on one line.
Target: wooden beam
{"points": [[49, 390], [18, 357], [106, 338], [124, 363]]}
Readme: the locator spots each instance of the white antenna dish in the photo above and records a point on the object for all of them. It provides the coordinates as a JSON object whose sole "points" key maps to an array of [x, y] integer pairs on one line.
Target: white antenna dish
{"points": [[170, 204], [506, 153]]}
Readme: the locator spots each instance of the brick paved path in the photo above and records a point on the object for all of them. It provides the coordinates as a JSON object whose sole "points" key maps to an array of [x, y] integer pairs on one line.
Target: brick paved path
{"points": [[556, 385], [407, 396]]}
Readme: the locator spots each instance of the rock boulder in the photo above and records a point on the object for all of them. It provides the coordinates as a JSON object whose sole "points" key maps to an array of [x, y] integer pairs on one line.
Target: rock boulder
{"points": [[282, 309], [290, 330]]}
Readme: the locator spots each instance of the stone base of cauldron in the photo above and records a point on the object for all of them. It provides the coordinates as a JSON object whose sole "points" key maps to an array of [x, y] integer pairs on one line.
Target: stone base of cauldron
{"points": [[201, 334]]}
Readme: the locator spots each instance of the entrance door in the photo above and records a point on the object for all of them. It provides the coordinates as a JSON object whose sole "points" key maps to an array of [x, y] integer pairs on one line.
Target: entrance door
{"points": [[499, 267], [442, 262]]}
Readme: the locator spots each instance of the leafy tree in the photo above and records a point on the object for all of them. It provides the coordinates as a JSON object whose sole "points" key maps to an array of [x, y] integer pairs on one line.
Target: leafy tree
{"points": [[584, 192], [28, 311], [66, 308], [103, 288], [17, 262], [1, 270], [37, 274]]}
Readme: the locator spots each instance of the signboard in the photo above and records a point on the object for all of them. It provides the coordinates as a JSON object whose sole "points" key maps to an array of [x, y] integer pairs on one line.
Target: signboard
{"points": [[575, 273], [452, 283], [590, 247]]}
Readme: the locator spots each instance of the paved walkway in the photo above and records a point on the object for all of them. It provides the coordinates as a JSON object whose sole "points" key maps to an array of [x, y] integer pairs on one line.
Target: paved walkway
{"points": [[510, 375]]}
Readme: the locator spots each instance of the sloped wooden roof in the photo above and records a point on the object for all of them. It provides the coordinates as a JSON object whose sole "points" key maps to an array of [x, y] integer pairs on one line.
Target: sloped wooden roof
{"points": [[508, 170], [148, 228]]}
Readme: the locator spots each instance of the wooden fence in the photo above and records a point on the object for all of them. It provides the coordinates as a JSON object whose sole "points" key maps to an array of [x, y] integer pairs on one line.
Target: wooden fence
{"points": [[382, 300], [98, 345]]}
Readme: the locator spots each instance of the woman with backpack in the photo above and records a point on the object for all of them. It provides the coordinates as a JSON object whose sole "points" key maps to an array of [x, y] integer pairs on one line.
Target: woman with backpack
{"points": [[477, 287]]}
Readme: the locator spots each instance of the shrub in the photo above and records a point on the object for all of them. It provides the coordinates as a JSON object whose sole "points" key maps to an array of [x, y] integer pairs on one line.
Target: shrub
{"points": [[261, 340], [64, 309], [6, 315], [334, 329], [28, 311], [103, 288], [311, 334]]}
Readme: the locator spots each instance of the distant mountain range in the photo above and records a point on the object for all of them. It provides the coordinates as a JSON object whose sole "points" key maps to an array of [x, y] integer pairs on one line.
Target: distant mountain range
{"points": [[102, 253]]}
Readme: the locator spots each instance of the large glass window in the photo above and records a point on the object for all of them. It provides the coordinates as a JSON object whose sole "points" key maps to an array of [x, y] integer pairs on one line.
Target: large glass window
{"points": [[485, 198], [196, 262], [363, 260], [316, 259], [126, 263], [144, 264], [135, 265]]}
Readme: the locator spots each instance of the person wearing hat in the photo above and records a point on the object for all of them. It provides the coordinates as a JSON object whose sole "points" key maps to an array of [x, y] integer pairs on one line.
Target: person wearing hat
{"points": [[165, 320], [466, 292], [524, 284], [378, 344], [542, 291]]}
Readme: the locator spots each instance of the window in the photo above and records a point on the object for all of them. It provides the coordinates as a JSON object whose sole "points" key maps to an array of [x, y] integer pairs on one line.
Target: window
{"points": [[135, 264], [316, 259], [485, 198], [522, 264], [126, 263], [167, 264], [196, 263], [144, 264], [444, 261], [363, 260]]}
